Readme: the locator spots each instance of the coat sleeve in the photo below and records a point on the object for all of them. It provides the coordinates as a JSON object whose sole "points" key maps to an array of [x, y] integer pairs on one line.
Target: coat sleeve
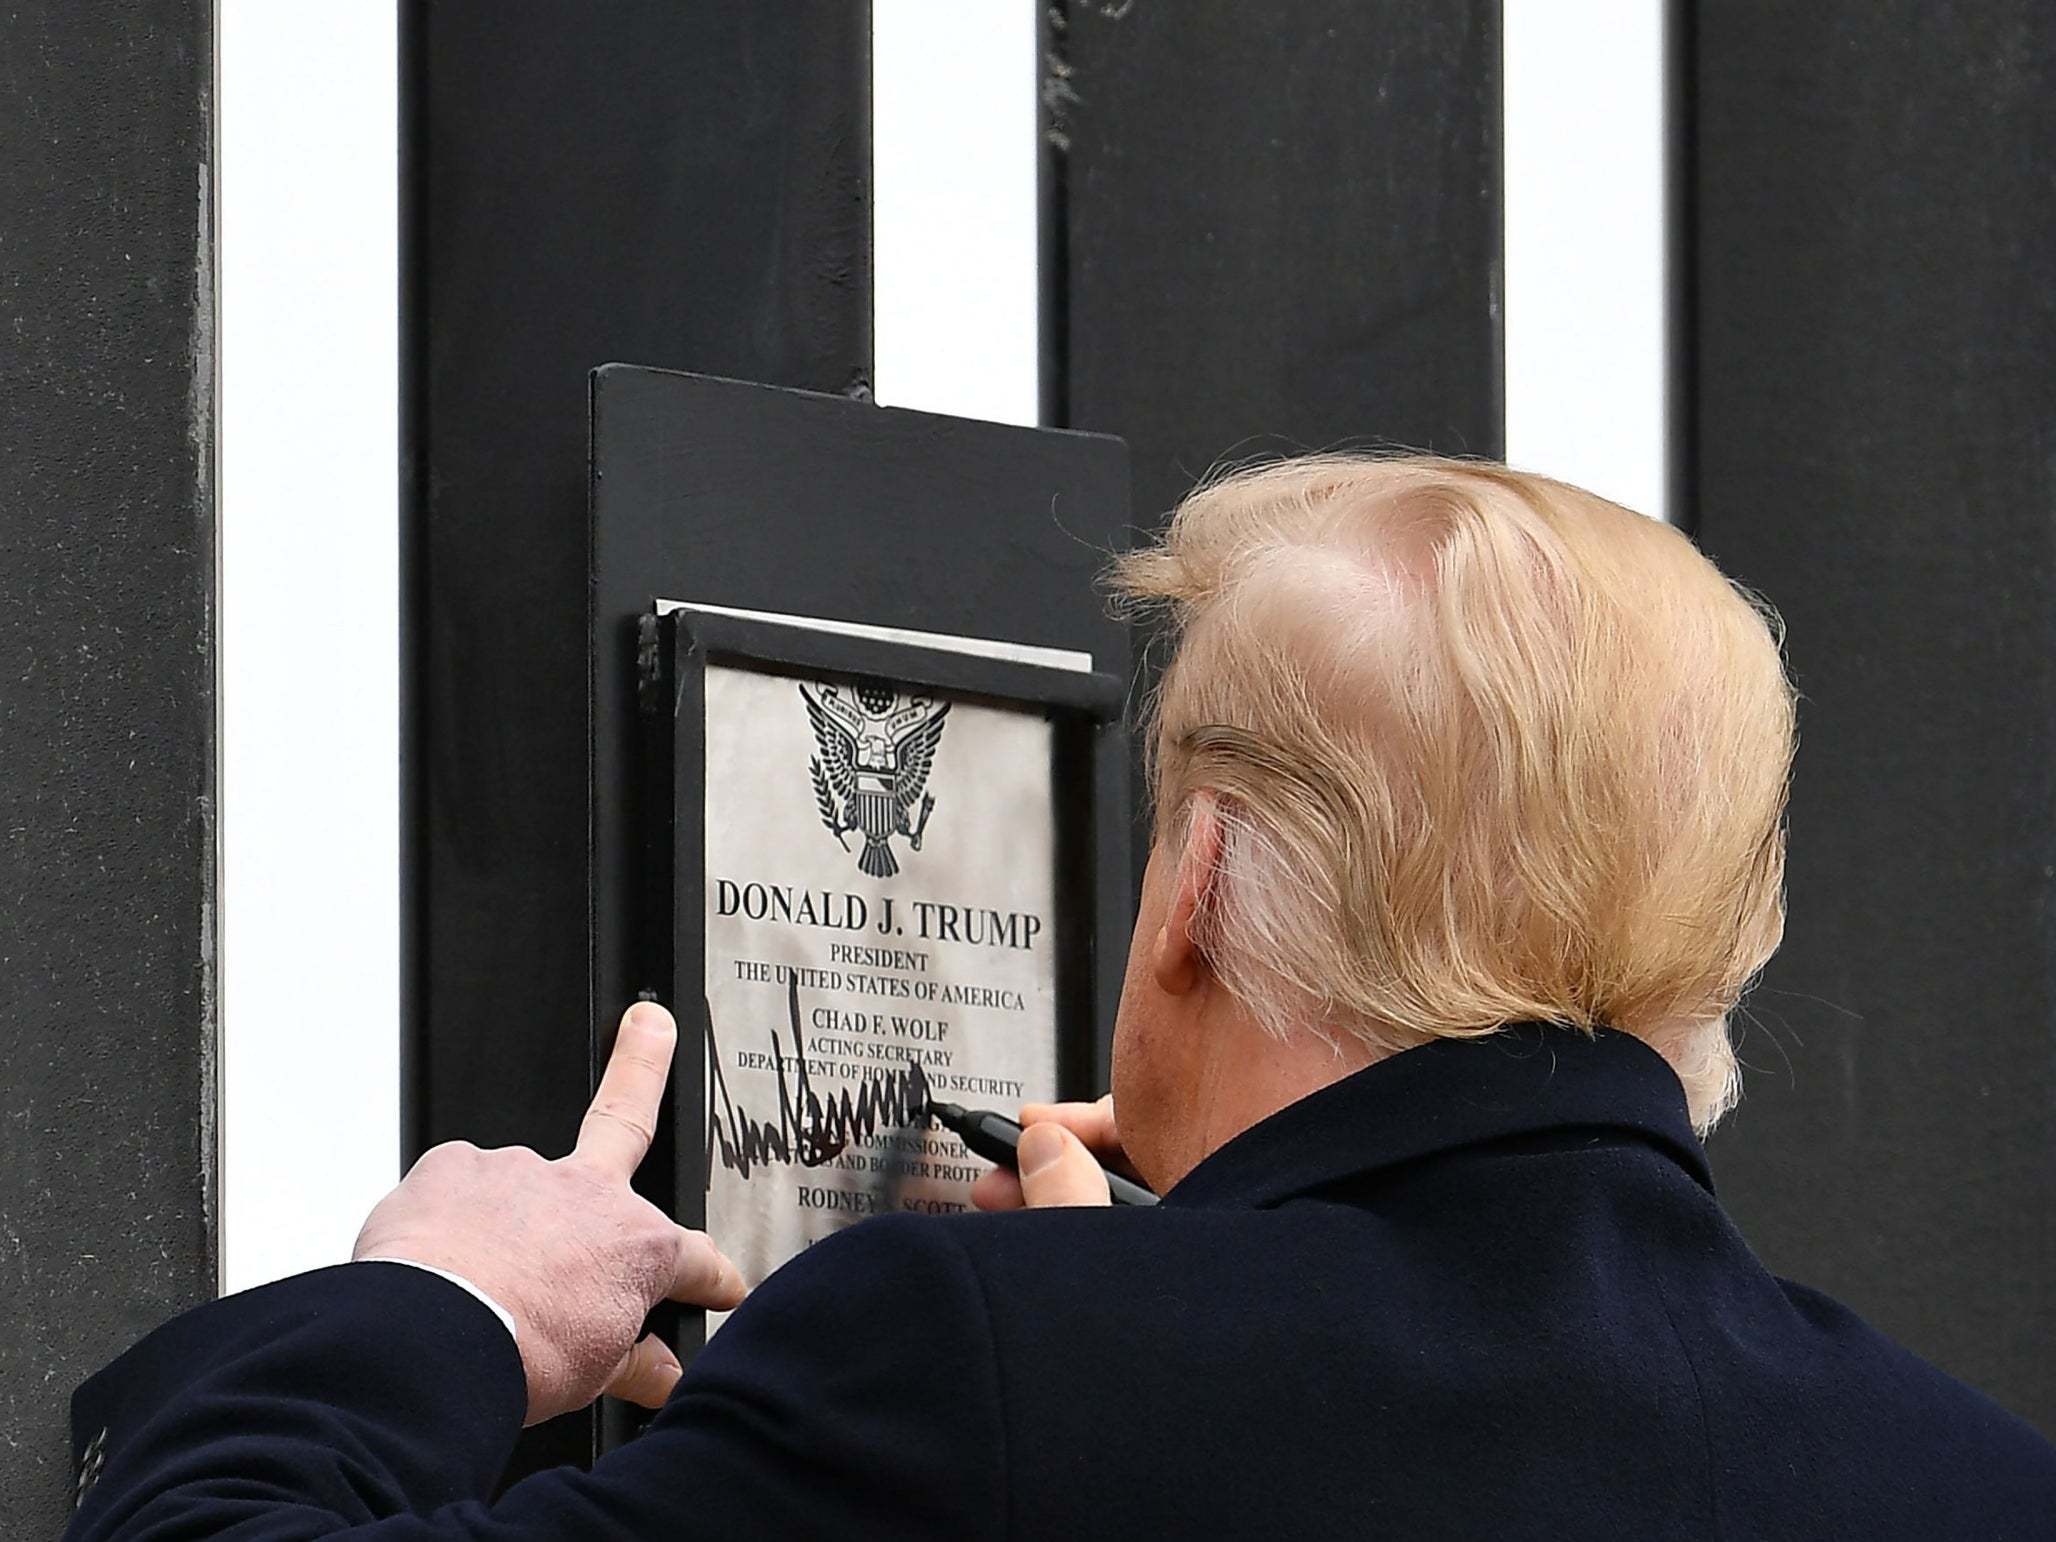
{"points": [[327, 1400], [856, 1392]]}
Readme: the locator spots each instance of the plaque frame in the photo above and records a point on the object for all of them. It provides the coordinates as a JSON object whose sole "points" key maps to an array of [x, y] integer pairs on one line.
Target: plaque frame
{"points": [[1092, 840], [754, 498]]}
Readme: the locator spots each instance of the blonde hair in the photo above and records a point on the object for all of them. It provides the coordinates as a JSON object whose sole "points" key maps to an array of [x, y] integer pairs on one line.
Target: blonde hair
{"points": [[1486, 748]]}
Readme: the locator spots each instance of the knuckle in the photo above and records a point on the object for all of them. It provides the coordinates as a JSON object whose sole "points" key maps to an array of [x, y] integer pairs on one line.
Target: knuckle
{"points": [[655, 1247], [627, 1118], [701, 1268], [695, 1256], [646, 1255], [514, 1160], [450, 1154]]}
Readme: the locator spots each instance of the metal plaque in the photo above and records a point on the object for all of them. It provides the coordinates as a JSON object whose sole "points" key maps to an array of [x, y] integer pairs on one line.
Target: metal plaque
{"points": [[880, 889]]}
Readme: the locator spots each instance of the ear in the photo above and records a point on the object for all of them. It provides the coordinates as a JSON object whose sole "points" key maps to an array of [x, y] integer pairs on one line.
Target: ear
{"points": [[1176, 961]]}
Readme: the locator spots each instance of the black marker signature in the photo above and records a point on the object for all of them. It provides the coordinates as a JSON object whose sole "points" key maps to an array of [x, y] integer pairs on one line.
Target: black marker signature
{"points": [[808, 1130]]}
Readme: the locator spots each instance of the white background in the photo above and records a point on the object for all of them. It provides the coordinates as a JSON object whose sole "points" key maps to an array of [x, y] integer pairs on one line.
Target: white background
{"points": [[309, 630], [953, 136], [1584, 244], [309, 473]]}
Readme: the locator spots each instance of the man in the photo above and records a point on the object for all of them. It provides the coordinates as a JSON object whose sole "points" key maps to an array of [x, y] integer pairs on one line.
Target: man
{"points": [[1469, 799]]}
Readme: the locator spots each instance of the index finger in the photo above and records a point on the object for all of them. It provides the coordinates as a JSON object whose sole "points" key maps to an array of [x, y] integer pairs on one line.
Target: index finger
{"points": [[622, 1121], [1092, 1123]]}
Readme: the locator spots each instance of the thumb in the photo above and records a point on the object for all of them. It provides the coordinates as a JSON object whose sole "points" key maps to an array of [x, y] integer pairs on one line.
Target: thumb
{"points": [[1056, 1169], [647, 1373]]}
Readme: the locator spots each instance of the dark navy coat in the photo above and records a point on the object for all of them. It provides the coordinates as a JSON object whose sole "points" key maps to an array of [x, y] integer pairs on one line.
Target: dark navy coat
{"points": [[1478, 1290]]}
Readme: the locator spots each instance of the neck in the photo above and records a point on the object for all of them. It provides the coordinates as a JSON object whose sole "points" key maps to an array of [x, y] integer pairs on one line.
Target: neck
{"points": [[1243, 1075]]}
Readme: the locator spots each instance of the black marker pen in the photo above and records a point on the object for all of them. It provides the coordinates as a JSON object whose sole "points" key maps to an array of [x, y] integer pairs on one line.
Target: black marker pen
{"points": [[996, 1138]]}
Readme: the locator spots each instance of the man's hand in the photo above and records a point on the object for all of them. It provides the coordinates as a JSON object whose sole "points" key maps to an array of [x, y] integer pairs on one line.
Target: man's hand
{"points": [[575, 1255], [1056, 1158]]}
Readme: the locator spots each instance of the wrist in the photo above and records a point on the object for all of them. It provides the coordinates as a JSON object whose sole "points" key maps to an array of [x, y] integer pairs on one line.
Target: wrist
{"points": [[506, 1317]]}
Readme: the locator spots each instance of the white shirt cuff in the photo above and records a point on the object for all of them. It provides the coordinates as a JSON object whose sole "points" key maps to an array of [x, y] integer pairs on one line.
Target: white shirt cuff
{"points": [[506, 1317]]}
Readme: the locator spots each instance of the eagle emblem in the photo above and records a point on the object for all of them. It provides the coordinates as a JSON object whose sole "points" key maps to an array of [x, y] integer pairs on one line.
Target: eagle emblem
{"points": [[876, 745]]}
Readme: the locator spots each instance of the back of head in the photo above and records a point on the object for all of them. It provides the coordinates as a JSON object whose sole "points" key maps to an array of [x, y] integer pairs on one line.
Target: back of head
{"points": [[1487, 748]]}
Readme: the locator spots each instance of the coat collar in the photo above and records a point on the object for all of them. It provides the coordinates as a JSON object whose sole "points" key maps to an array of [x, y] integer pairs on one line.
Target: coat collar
{"points": [[1525, 1079]]}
